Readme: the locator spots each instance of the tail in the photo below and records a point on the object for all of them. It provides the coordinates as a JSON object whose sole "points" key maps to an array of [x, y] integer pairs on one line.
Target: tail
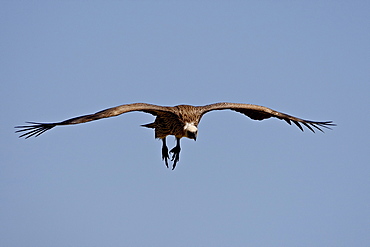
{"points": [[150, 125]]}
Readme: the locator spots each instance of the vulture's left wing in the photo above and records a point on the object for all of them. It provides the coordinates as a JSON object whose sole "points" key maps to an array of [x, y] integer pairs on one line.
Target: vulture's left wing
{"points": [[257, 112]]}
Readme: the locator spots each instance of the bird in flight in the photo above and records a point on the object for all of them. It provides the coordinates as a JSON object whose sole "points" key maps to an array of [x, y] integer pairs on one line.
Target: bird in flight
{"points": [[179, 121]]}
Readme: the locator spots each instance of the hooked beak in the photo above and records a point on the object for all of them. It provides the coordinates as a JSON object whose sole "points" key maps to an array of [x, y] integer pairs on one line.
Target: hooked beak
{"points": [[191, 135]]}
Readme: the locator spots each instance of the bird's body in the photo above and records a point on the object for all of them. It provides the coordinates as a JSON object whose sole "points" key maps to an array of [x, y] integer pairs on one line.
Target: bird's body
{"points": [[175, 121], [179, 121]]}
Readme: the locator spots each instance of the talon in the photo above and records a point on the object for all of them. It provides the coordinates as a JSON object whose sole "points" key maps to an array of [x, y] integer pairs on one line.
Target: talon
{"points": [[165, 156], [175, 154], [175, 159]]}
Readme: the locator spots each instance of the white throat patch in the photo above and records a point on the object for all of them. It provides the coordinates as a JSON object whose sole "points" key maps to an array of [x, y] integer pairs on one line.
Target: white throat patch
{"points": [[190, 127]]}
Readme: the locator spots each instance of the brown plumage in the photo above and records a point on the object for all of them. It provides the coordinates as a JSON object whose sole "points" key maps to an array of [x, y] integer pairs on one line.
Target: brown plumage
{"points": [[179, 121]]}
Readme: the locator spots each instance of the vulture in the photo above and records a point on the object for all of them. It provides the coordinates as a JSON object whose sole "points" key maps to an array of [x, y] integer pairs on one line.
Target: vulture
{"points": [[179, 121]]}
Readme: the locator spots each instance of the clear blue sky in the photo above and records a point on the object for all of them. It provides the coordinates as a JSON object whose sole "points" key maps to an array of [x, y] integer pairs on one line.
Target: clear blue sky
{"points": [[243, 182]]}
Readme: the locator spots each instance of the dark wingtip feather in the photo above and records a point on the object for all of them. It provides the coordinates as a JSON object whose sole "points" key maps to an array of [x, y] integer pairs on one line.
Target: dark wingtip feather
{"points": [[299, 126], [35, 129], [311, 125], [319, 125], [287, 120], [308, 126]]}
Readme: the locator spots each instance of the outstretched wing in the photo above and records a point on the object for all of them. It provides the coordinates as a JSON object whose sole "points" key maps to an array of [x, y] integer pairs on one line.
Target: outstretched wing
{"points": [[36, 129], [257, 112]]}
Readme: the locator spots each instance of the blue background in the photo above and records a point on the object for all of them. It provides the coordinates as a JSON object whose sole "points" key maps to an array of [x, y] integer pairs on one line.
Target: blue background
{"points": [[243, 182]]}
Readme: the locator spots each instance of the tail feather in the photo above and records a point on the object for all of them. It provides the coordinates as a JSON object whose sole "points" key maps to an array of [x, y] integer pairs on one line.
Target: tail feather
{"points": [[150, 125]]}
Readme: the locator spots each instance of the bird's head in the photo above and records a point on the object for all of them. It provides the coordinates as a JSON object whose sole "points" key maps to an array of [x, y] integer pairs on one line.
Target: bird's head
{"points": [[191, 131]]}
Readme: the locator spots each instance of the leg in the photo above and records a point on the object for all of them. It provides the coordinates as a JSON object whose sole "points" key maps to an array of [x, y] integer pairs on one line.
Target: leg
{"points": [[176, 153], [165, 152]]}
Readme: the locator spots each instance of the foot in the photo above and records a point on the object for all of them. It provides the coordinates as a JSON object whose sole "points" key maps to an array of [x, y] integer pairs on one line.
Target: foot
{"points": [[165, 156], [175, 155]]}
